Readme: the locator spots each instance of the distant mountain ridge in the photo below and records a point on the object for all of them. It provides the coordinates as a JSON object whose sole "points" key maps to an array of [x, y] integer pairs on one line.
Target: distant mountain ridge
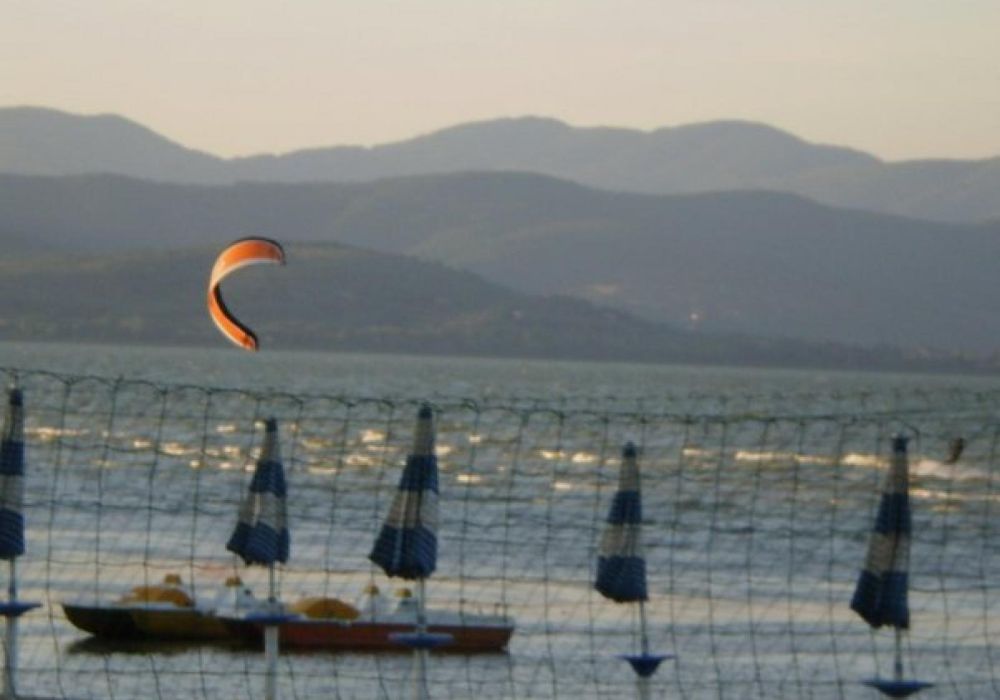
{"points": [[762, 264], [337, 298], [695, 158], [37, 141]]}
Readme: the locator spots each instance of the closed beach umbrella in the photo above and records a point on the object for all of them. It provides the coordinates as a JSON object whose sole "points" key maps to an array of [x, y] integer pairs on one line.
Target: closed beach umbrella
{"points": [[12, 529], [406, 546], [881, 594], [261, 537], [261, 534], [12, 478], [621, 566]]}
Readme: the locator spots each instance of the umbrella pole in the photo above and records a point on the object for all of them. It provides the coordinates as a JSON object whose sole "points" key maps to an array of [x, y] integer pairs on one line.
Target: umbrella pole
{"points": [[10, 644], [420, 653], [642, 682], [642, 688], [271, 641], [643, 631], [897, 666]]}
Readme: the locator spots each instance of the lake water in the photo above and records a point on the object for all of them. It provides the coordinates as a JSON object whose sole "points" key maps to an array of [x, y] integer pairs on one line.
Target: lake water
{"points": [[379, 375], [759, 490]]}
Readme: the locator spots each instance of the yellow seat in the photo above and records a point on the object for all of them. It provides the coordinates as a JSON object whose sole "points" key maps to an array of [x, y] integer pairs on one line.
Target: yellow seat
{"points": [[325, 609]]}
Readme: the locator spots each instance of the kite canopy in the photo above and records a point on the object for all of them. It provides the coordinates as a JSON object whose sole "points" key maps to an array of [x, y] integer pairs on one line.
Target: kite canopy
{"points": [[239, 254]]}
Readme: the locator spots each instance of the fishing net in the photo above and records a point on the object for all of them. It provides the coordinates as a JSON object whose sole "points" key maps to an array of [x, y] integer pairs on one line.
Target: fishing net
{"points": [[757, 511]]}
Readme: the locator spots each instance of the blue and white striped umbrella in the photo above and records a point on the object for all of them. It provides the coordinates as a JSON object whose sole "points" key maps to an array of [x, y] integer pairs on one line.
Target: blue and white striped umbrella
{"points": [[621, 567], [881, 594], [261, 535], [12, 478], [406, 546]]}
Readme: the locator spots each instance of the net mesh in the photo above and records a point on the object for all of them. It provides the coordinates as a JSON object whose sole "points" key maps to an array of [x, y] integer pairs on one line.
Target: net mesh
{"points": [[757, 514]]}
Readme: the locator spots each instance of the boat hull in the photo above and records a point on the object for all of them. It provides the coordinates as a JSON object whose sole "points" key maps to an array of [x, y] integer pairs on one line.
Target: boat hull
{"points": [[102, 621], [179, 625], [136, 622], [373, 636]]}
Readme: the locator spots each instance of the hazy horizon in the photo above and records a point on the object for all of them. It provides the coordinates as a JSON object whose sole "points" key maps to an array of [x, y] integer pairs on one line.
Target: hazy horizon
{"points": [[900, 80]]}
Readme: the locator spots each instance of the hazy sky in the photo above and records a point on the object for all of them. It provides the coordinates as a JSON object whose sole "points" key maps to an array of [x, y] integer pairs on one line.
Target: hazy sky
{"points": [[898, 78]]}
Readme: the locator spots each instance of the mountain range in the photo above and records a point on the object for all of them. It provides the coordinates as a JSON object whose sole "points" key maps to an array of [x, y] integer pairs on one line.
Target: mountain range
{"points": [[708, 157], [753, 263], [521, 237]]}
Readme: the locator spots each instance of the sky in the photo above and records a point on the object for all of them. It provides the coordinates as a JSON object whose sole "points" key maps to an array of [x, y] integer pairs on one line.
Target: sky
{"points": [[898, 78]]}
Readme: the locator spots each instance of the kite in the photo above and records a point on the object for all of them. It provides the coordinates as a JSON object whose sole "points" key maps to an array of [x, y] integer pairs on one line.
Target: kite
{"points": [[246, 251]]}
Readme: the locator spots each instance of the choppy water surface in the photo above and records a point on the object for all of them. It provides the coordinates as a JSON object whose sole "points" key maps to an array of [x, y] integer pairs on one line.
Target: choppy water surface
{"points": [[759, 491]]}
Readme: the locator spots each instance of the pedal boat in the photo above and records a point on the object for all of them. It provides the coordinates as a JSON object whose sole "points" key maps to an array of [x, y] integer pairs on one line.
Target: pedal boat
{"points": [[165, 611]]}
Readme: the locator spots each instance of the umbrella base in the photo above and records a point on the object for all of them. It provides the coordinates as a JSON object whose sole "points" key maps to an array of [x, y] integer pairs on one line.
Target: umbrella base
{"points": [[16, 608], [268, 619], [645, 665], [421, 640], [897, 688]]}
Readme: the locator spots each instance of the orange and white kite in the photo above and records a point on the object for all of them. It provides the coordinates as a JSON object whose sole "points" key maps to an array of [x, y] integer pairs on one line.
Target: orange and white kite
{"points": [[246, 251]]}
